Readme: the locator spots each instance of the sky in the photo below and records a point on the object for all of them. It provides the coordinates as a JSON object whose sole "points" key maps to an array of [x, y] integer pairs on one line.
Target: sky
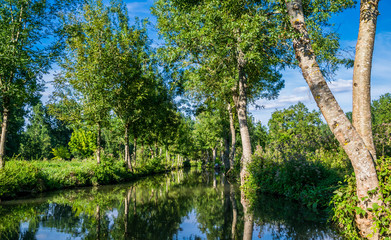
{"points": [[296, 89]]}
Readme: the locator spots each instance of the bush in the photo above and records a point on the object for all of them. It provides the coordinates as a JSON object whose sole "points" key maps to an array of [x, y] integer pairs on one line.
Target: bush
{"points": [[20, 177], [82, 143], [297, 176], [345, 203], [61, 153]]}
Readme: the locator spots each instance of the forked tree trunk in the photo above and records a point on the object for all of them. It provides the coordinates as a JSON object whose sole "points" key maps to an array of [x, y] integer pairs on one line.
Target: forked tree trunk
{"points": [[98, 140], [4, 126], [233, 138], [362, 119], [242, 117], [348, 137]]}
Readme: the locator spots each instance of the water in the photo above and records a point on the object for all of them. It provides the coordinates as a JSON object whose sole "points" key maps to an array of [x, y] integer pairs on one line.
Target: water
{"points": [[178, 205]]}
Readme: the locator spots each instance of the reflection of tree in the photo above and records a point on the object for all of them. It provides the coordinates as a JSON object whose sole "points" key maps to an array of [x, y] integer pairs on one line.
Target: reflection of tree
{"points": [[154, 208], [286, 220]]}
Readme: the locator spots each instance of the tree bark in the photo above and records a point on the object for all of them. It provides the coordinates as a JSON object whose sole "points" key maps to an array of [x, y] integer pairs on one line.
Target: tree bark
{"points": [[127, 151], [214, 155], [225, 154], [134, 156], [233, 138], [362, 118], [242, 117], [98, 141], [348, 137], [4, 128]]}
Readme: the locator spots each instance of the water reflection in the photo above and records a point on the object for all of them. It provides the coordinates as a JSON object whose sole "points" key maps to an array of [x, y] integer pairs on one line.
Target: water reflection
{"points": [[181, 205]]}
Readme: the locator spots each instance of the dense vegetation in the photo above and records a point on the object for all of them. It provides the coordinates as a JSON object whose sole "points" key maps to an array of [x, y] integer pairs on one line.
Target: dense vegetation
{"points": [[122, 108]]}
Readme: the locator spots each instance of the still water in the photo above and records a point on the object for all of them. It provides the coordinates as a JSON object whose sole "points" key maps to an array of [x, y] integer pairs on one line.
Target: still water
{"points": [[186, 204]]}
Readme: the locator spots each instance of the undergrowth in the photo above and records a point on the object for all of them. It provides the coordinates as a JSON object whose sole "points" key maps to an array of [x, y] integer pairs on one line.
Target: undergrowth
{"points": [[20, 177]]}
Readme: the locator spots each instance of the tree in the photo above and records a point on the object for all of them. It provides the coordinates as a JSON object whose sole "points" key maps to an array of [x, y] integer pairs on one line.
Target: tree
{"points": [[218, 47], [37, 139], [381, 112], [85, 64], [362, 73], [23, 26], [208, 131], [348, 137]]}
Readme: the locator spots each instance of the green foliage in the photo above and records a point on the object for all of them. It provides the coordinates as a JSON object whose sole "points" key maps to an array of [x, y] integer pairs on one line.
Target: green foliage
{"points": [[299, 129], [109, 171], [20, 177], [345, 202], [381, 115], [61, 153], [82, 143], [307, 179], [37, 139]]}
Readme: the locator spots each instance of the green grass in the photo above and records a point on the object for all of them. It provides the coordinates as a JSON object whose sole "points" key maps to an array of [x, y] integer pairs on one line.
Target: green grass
{"points": [[20, 177]]}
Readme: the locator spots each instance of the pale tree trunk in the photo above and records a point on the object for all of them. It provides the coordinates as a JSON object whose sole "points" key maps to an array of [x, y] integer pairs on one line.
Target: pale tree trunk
{"points": [[167, 156], [214, 155], [362, 119], [127, 151], [348, 137], [98, 141], [242, 117], [4, 126], [134, 156], [233, 138]]}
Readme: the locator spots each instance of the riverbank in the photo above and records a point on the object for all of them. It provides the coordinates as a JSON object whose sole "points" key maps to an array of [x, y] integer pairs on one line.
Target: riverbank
{"points": [[321, 180], [20, 177]]}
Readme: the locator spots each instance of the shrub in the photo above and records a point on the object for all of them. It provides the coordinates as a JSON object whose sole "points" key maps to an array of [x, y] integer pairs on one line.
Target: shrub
{"points": [[345, 201], [60, 153]]}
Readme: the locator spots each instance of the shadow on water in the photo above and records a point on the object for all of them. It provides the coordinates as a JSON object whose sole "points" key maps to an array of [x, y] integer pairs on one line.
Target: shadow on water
{"points": [[178, 205]]}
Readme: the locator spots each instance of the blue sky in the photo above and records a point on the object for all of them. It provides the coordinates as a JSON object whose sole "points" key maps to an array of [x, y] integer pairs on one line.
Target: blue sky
{"points": [[296, 88]]}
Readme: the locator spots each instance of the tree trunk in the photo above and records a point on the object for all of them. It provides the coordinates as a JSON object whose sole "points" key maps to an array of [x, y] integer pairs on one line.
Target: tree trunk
{"points": [[362, 119], [214, 155], [134, 156], [98, 140], [233, 138], [127, 151], [226, 153], [242, 117], [348, 137], [4, 126]]}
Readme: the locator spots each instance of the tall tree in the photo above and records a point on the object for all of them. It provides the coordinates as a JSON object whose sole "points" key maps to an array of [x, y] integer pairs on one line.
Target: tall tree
{"points": [[23, 26], [348, 137], [216, 46], [85, 63], [362, 120]]}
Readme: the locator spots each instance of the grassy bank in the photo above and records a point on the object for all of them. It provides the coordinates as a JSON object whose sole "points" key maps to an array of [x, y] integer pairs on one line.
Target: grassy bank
{"points": [[21, 177], [321, 180]]}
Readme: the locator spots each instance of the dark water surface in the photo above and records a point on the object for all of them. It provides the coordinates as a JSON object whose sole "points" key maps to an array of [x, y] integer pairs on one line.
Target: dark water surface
{"points": [[178, 205]]}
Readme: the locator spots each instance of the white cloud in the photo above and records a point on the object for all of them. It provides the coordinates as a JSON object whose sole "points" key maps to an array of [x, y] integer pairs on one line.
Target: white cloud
{"points": [[340, 86]]}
